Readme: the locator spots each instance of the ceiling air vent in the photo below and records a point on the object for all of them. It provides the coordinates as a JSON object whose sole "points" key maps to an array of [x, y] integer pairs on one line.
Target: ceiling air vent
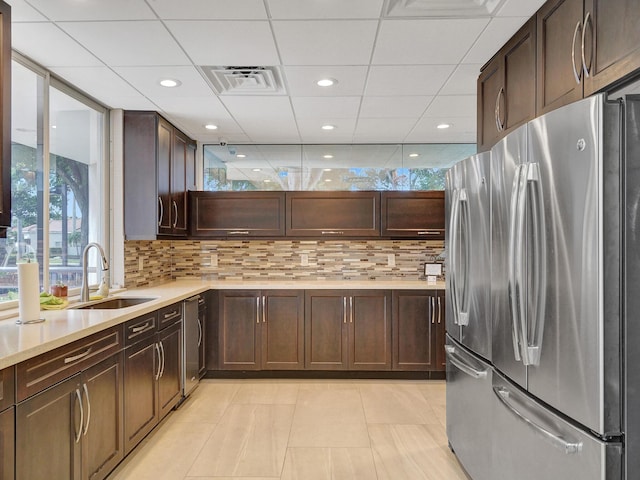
{"points": [[442, 8], [244, 80]]}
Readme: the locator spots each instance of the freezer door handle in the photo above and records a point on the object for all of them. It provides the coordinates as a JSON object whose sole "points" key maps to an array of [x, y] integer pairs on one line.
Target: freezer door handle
{"points": [[453, 252], [465, 222], [516, 302], [554, 439], [459, 362]]}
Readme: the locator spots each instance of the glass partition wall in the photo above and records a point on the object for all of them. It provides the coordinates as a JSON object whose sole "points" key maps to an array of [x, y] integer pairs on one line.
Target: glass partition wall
{"points": [[330, 167]]}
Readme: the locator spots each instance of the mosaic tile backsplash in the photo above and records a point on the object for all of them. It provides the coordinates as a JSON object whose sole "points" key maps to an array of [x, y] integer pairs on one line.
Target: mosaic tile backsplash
{"points": [[279, 260]]}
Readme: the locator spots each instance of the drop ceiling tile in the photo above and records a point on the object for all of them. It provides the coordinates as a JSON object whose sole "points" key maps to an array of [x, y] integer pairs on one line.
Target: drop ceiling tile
{"points": [[331, 9], [425, 41], [328, 107], [301, 81], [128, 43], [99, 82], [74, 10], [445, 106], [394, 107], [226, 42], [280, 130], [147, 81], [251, 109], [21, 11], [519, 8], [311, 127], [382, 129], [463, 130], [416, 80], [210, 10], [347, 42], [214, 139], [202, 109], [493, 38], [49, 46], [463, 80]]}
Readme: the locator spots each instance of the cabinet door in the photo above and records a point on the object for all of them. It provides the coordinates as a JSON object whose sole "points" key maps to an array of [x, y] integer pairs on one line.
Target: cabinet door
{"points": [[520, 77], [179, 183], [612, 43], [237, 214], [48, 433], [438, 320], [165, 214], [7, 387], [412, 330], [413, 214], [369, 329], [7, 444], [282, 330], [490, 96], [559, 24], [141, 365], [169, 385], [103, 435], [333, 214], [325, 330], [239, 330]]}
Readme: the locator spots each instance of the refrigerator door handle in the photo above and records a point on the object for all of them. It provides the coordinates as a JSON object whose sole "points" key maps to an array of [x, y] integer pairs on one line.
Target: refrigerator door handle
{"points": [[463, 366], [538, 266], [514, 289], [554, 439], [453, 228], [464, 222]]}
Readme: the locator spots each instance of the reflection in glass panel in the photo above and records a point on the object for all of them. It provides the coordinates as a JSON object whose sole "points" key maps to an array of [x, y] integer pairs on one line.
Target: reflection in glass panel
{"points": [[75, 159], [22, 240], [330, 167]]}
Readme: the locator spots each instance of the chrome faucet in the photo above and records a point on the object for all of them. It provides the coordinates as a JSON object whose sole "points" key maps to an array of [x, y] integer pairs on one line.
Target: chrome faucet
{"points": [[84, 292]]}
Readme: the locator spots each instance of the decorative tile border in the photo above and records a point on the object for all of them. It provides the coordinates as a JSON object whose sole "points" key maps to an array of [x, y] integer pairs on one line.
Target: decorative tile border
{"points": [[279, 260]]}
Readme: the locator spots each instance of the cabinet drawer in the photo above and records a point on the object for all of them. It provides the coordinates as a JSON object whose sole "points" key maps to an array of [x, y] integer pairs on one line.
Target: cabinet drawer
{"points": [[169, 315], [140, 328], [7, 387], [38, 373]]}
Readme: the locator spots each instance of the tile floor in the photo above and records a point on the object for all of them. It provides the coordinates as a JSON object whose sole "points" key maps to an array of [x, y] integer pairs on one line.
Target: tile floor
{"points": [[301, 430]]}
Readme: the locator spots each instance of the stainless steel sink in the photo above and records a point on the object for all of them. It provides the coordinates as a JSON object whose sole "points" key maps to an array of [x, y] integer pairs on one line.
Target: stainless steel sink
{"points": [[114, 303]]}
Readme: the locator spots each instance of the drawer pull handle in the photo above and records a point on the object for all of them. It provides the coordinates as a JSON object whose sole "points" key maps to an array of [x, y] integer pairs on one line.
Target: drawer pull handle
{"points": [[332, 232], [428, 232], [238, 232], [140, 328], [175, 313], [77, 357]]}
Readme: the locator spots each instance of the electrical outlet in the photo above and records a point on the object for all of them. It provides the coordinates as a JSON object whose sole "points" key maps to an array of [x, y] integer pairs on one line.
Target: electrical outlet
{"points": [[213, 260], [391, 260], [304, 260], [140, 264]]}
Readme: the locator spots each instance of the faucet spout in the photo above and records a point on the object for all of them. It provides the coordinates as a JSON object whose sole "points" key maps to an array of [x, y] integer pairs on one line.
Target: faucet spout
{"points": [[84, 291]]}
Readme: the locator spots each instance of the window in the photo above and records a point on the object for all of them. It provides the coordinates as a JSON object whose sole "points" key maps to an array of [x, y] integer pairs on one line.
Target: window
{"points": [[330, 167], [58, 180]]}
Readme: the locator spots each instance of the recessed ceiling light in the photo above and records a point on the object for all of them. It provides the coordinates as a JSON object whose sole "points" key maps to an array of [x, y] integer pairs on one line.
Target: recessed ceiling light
{"points": [[54, 126], [326, 82], [414, 155], [442, 126], [326, 169], [328, 127], [327, 179], [211, 126], [257, 169], [267, 181], [327, 156], [241, 155], [170, 82]]}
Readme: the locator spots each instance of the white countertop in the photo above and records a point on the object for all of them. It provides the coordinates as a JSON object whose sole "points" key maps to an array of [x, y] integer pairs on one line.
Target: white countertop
{"points": [[21, 342]]}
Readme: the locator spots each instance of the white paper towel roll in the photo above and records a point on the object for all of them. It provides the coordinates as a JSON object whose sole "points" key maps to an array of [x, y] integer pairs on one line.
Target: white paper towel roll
{"points": [[28, 292]]}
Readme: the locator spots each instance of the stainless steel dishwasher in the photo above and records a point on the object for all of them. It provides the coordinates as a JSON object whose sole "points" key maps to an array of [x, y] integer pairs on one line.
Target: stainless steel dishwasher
{"points": [[191, 339]]}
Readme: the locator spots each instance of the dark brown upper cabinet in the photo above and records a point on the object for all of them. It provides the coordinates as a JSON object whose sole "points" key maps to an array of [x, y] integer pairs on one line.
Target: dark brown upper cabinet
{"points": [[507, 88], [413, 214], [237, 214], [5, 118], [585, 46], [333, 214], [159, 169]]}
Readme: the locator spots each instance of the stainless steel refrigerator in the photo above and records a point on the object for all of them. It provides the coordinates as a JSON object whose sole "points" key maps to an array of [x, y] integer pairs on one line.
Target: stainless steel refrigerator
{"points": [[564, 277]]}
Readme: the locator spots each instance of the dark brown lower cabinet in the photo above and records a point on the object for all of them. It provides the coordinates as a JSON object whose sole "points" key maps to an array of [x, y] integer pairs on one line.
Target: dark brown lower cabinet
{"points": [[151, 382], [74, 429], [261, 330], [7, 444], [348, 330], [418, 326]]}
